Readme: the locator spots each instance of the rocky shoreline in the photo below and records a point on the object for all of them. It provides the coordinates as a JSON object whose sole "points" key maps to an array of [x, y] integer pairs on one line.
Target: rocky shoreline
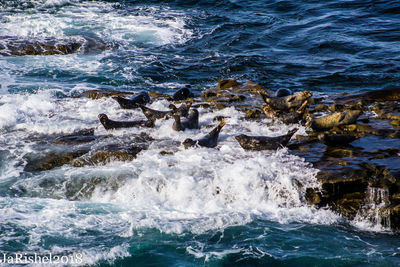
{"points": [[359, 177]]}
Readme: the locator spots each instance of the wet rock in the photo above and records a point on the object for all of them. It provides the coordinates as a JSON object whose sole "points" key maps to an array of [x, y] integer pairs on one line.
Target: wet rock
{"points": [[373, 96], [97, 94], [163, 152], [253, 114], [227, 83], [34, 46], [108, 154], [78, 137], [50, 160], [336, 139]]}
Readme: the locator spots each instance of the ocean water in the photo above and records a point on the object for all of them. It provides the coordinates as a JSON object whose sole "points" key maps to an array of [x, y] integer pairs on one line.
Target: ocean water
{"points": [[195, 207]]}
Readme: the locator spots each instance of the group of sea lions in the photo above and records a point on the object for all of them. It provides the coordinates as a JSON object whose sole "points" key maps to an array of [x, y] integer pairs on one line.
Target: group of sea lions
{"points": [[285, 106], [292, 108], [187, 117], [190, 117]]}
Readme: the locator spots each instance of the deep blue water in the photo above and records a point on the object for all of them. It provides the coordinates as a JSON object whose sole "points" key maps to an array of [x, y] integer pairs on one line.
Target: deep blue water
{"points": [[324, 47]]}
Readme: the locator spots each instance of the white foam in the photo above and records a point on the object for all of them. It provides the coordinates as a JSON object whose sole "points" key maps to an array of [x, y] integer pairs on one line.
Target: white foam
{"points": [[193, 190]]}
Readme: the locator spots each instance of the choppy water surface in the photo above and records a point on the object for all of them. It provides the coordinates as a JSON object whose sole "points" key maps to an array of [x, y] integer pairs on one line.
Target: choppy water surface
{"points": [[214, 207]]}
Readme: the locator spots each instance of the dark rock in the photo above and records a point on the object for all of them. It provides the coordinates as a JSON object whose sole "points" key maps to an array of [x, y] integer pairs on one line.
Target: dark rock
{"points": [[51, 160]]}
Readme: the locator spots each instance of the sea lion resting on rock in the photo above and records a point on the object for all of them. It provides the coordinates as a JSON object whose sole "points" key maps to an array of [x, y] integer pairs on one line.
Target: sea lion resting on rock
{"points": [[110, 124], [209, 140], [183, 109], [192, 122], [287, 102], [182, 94], [335, 119], [141, 99], [264, 142], [286, 118], [152, 114]]}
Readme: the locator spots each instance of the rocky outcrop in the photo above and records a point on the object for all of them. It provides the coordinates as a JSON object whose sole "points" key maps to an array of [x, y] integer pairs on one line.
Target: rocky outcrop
{"points": [[17, 46]]}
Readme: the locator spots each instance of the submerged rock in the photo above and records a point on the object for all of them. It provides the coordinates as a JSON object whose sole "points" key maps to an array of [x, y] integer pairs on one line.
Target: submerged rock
{"points": [[108, 154], [51, 160]]}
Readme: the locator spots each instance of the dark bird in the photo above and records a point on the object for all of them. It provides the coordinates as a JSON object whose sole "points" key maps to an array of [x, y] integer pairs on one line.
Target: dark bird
{"points": [[110, 124], [264, 142], [192, 122], [141, 99], [209, 140]]}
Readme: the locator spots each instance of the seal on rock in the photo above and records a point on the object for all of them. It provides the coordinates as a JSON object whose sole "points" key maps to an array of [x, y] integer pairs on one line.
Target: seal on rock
{"points": [[111, 124], [209, 140], [192, 122], [183, 109], [182, 94], [335, 119], [286, 118], [152, 114], [287, 102], [264, 142], [141, 99]]}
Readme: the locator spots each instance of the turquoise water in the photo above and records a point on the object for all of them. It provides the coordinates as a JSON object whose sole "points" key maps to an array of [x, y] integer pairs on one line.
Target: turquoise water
{"points": [[203, 207]]}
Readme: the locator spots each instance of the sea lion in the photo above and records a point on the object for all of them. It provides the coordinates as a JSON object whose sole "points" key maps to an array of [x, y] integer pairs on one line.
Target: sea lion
{"points": [[209, 140], [183, 109], [287, 102], [152, 114], [286, 118], [110, 124], [141, 99], [182, 94], [281, 92], [335, 119], [192, 122], [336, 139], [264, 142]]}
